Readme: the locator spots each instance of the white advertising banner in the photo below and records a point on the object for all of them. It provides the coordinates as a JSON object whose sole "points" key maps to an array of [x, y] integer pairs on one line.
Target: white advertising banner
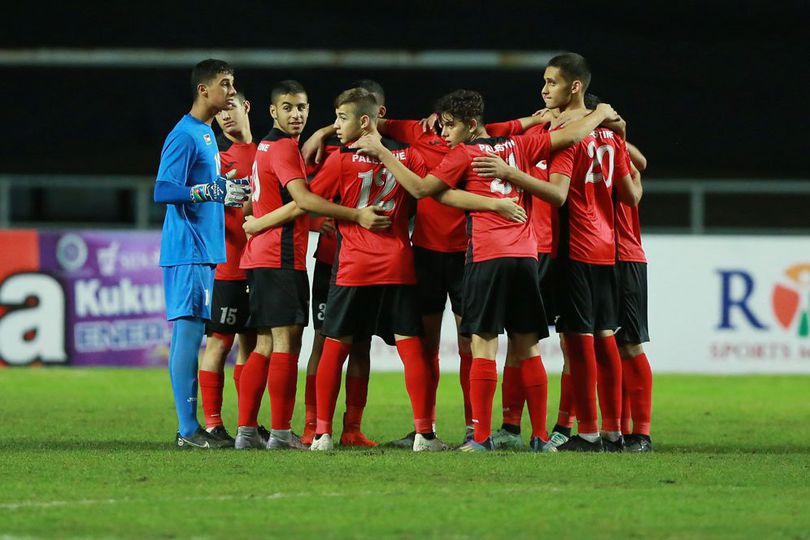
{"points": [[717, 304]]}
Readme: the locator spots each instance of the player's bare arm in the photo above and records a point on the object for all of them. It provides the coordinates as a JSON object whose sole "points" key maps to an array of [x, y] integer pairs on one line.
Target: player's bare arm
{"points": [[629, 186], [506, 208], [576, 131], [638, 158], [418, 187], [313, 149], [276, 218], [370, 217], [553, 192]]}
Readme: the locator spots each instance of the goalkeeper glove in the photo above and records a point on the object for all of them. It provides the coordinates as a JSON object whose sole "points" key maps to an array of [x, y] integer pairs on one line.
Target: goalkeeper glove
{"points": [[223, 190]]}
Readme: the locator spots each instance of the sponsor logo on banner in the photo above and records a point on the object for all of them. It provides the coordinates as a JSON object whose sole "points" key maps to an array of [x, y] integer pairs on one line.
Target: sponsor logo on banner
{"points": [[83, 297], [768, 315]]}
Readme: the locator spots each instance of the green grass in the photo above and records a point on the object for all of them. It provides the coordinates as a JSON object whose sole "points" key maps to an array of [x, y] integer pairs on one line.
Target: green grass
{"points": [[88, 453]]}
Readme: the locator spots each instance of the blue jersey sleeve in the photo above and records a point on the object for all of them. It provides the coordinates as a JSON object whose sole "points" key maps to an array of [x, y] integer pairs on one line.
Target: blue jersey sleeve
{"points": [[177, 158]]}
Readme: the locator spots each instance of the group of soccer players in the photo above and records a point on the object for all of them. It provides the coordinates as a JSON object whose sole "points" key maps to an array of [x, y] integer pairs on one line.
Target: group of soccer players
{"points": [[522, 224]]}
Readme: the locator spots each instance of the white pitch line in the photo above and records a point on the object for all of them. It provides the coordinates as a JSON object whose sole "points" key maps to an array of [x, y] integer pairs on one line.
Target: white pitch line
{"points": [[22, 505]]}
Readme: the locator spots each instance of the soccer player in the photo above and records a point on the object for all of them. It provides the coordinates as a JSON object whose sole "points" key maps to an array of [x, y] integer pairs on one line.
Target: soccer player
{"points": [[229, 302], [582, 178], [193, 240], [631, 273], [501, 290]]}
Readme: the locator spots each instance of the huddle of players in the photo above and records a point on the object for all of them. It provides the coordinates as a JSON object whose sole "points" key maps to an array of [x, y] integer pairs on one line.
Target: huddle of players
{"points": [[486, 233]]}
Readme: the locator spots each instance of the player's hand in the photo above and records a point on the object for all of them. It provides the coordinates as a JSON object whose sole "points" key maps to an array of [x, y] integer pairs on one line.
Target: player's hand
{"points": [[492, 166], [373, 218], [429, 123], [328, 227], [250, 227], [369, 145], [608, 111], [237, 192], [546, 116], [511, 210], [566, 117], [314, 148]]}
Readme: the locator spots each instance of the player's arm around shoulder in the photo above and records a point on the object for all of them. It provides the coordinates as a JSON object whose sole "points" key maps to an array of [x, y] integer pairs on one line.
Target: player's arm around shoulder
{"points": [[413, 183], [575, 131]]}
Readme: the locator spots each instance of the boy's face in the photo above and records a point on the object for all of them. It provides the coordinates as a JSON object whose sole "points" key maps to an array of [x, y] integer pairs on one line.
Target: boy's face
{"points": [[220, 92], [233, 120], [454, 131], [348, 124], [291, 111], [556, 90]]}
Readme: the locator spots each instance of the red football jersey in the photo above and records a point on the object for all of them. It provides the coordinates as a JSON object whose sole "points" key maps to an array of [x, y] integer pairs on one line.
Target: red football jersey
{"points": [[542, 211], [365, 257], [628, 231], [586, 218], [327, 243], [492, 236], [239, 156], [439, 227], [278, 161]]}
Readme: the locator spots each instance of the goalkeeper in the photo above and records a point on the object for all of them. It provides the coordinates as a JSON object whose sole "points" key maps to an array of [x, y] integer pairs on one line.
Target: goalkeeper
{"points": [[193, 241]]}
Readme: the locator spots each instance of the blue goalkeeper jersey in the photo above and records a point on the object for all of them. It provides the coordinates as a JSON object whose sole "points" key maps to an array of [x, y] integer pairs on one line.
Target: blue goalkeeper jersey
{"points": [[193, 233]]}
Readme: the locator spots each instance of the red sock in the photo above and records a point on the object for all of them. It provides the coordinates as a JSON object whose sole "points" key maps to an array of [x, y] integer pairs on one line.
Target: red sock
{"points": [[327, 383], [251, 388], [211, 385], [281, 379], [418, 382], [512, 395], [237, 374], [565, 416], [535, 384], [434, 372], [310, 400], [464, 378], [626, 415], [582, 360], [640, 393], [609, 382], [356, 396], [483, 382]]}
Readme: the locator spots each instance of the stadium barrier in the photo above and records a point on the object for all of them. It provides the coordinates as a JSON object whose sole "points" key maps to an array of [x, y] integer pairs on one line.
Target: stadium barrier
{"points": [[718, 304]]}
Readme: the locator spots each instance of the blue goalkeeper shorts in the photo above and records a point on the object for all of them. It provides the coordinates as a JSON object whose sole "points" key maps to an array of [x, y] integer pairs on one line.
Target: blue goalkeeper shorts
{"points": [[188, 289]]}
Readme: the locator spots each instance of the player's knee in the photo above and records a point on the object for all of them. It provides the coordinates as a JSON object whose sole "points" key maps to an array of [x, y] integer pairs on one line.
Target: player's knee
{"points": [[630, 350]]}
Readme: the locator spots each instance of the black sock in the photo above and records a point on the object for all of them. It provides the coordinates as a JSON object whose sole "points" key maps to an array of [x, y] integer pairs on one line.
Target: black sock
{"points": [[429, 436], [564, 430], [511, 428]]}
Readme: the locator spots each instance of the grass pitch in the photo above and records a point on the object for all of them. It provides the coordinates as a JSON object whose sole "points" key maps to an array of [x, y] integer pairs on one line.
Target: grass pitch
{"points": [[87, 453]]}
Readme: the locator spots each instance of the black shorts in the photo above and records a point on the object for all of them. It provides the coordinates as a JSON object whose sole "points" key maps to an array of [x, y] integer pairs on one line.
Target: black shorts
{"points": [[587, 297], [230, 308], [438, 275], [381, 310], [320, 291], [278, 297], [632, 282], [545, 273], [503, 294]]}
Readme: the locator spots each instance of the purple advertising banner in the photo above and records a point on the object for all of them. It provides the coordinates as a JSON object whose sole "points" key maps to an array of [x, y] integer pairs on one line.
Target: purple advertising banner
{"points": [[115, 312]]}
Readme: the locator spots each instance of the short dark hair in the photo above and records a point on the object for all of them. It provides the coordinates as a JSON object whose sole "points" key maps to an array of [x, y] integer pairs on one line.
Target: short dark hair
{"points": [[283, 88], [573, 67], [464, 105], [591, 101], [206, 71], [372, 86], [363, 100]]}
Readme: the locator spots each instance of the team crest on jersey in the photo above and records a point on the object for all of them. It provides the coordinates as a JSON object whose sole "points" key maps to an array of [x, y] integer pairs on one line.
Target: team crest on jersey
{"points": [[207, 138]]}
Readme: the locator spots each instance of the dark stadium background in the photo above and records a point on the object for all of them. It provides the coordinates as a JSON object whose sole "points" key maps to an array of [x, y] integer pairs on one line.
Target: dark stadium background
{"points": [[709, 89]]}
